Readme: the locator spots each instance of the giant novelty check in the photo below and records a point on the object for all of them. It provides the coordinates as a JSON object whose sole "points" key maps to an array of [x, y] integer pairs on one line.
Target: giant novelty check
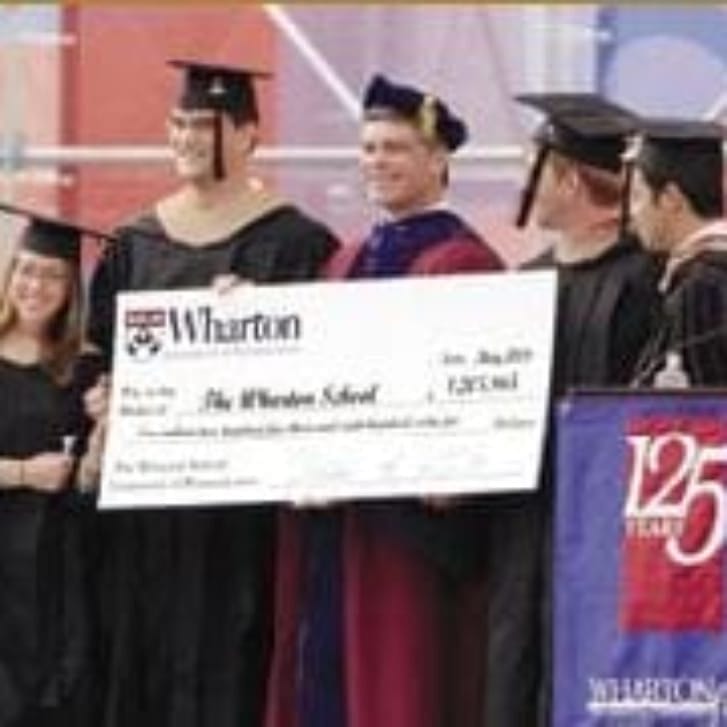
{"points": [[322, 391]]}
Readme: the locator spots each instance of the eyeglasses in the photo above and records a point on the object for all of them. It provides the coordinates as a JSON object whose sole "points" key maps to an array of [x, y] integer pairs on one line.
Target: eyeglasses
{"points": [[42, 273], [191, 122]]}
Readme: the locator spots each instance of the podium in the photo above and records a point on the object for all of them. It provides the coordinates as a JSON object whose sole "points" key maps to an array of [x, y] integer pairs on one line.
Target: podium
{"points": [[640, 603]]}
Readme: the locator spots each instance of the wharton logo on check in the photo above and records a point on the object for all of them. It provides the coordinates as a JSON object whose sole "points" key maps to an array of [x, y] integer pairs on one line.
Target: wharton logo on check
{"points": [[147, 331]]}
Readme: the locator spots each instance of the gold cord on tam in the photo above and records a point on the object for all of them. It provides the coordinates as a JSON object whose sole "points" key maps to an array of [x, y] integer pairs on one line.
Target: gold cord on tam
{"points": [[428, 117]]}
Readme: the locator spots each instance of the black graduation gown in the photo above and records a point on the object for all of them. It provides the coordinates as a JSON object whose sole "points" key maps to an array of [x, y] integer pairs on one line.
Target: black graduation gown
{"points": [[186, 594], [605, 311], [43, 617], [693, 323]]}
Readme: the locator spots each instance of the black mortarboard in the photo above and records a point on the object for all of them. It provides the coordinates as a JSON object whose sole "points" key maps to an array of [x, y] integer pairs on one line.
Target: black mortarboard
{"points": [[664, 145], [51, 236], [219, 88], [584, 127], [687, 152], [427, 112]]}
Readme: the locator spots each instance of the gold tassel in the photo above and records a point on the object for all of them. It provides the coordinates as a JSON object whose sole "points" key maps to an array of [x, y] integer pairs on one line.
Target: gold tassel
{"points": [[428, 117]]}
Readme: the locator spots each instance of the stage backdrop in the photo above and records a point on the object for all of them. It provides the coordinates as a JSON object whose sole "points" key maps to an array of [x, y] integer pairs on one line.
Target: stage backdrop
{"points": [[640, 603]]}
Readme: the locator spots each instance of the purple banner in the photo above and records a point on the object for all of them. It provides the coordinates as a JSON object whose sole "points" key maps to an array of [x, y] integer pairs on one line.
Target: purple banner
{"points": [[640, 604]]}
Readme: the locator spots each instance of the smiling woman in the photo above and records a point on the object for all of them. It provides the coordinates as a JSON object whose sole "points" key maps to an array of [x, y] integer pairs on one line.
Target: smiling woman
{"points": [[42, 612], [38, 289], [40, 304]]}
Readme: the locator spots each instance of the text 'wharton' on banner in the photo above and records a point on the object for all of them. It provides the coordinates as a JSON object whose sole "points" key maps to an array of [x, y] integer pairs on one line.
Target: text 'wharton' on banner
{"points": [[330, 390]]}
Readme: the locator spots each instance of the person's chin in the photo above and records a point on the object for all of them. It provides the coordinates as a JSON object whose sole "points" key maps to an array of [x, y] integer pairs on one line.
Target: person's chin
{"points": [[191, 172], [382, 197], [648, 242], [545, 223], [374, 196], [35, 318], [652, 246]]}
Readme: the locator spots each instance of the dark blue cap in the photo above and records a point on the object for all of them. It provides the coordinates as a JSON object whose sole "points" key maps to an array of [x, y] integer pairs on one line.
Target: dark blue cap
{"points": [[427, 112]]}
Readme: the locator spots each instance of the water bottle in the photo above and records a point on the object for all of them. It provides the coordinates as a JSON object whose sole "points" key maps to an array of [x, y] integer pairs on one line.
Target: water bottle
{"points": [[672, 375]]}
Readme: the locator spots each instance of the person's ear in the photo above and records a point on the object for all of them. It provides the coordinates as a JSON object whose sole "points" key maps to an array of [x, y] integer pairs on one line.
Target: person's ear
{"points": [[672, 198], [248, 134], [440, 158], [570, 181]]}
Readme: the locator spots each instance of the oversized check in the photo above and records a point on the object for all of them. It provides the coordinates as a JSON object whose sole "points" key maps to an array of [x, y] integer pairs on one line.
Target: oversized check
{"points": [[330, 390]]}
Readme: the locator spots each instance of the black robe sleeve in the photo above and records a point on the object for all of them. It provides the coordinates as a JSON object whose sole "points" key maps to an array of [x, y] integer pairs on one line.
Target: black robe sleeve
{"points": [[110, 276], [635, 319], [696, 316]]}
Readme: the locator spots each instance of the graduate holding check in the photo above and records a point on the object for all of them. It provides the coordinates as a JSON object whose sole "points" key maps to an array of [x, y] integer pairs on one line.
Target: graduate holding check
{"points": [[185, 594]]}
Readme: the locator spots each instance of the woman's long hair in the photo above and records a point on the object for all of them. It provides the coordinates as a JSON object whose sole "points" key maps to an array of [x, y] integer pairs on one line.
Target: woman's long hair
{"points": [[62, 337]]}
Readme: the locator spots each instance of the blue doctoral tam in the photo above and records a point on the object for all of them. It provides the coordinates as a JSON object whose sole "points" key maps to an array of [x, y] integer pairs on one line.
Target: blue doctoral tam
{"points": [[427, 112]]}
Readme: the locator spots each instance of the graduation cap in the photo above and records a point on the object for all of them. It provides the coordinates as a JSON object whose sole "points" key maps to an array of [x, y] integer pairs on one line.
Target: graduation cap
{"points": [[584, 127], [427, 112], [666, 145], [222, 89], [51, 236], [687, 152]]}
